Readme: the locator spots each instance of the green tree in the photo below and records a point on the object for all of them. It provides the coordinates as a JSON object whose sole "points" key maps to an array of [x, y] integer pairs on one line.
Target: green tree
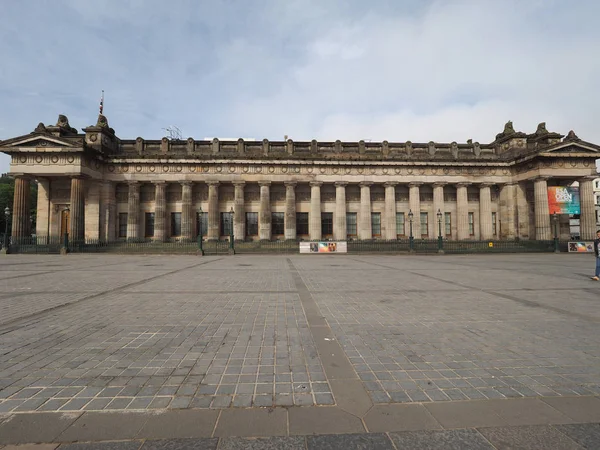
{"points": [[7, 192]]}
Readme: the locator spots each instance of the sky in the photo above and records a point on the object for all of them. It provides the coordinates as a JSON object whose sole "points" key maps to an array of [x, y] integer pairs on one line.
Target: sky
{"points": [[396, 70]]}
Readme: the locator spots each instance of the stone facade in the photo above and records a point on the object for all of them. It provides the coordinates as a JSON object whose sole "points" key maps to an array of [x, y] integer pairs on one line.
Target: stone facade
{"points": [[95, 185]]}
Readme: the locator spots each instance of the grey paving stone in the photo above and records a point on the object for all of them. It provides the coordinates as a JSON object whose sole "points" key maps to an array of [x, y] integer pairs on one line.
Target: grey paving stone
{"points": [[528, 437], [441, 440], [179, 424], [270, 443], [103, 426], [39, 427], [585, 434], [349, 442], [181, 444], [115, 445]]}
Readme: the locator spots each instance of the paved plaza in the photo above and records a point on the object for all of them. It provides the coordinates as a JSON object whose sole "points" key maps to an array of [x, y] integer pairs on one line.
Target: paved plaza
{"points": [[317, 344]]}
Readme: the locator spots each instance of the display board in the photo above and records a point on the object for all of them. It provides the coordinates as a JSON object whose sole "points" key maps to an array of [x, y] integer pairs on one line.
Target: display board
{"points": [[324, 247], [563, 200]]}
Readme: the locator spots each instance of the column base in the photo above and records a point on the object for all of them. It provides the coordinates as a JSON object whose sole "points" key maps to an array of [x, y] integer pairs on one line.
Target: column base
{"points": [[231, 251], [64, 251], [4, 251], [199, 252]]}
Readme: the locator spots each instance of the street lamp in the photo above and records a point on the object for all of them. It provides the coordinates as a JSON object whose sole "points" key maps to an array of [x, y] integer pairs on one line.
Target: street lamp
{"points": [[200, 251], [66, 237], [411, 238], [6, 219], [440, 242], [555, 220], [231, 214]]}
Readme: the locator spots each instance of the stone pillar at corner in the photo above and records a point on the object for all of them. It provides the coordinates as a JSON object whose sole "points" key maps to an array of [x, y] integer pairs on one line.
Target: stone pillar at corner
{"points": [[133, 211], [239, 209], [160, 211], [507, 206], [290, 211], [414, 200], [109, 211], [339, 230], [21, 207], [264, 213], [365, 227], [543, 232], [213, 211], [588, 209], [187, 224], [485, 212], [438, 205], [77, 230], [462, 211], [390, 211], [314, 219]]}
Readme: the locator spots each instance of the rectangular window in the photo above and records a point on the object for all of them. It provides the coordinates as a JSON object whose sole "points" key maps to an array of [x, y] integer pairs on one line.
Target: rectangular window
{"points": [[376, 224], [471, 224], [400, 224], [326, 224], [226, 225], [251, 224], [351, 224], [202, 223], [494, 223], [149, 224], [448, 223], [122, 225], [277, 223], [424, 224], [301, 224], [176, 224]]}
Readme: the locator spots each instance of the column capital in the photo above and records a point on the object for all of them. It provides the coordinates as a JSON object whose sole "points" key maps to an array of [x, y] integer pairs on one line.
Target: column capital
{"points": [[390, 184], [415, 184], [464, 184], [186, 183], [133, 183], [290, 184], [365, 183], [212, 183], [589, 178], [486, 185], [439, 183], [264, 183], [315, 183], [159, 182], [238, 183], [542, 178], [341, 183]]}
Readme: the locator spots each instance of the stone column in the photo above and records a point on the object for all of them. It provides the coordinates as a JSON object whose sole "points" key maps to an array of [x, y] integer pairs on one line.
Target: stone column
{"points": [[438, 205], [213, 230], [290, 211], [414, 201], [264, 214], [390, 211], [21, 207], [239, 217], [462, 211], [485, 212], [522, 211], [587, 221], [339, 229], [109, 208], [133, 211], [160, 211], [43, 208], [543, 231], [507, 216], [77, 229], [365, 227], [187, 216], [314, 219]]}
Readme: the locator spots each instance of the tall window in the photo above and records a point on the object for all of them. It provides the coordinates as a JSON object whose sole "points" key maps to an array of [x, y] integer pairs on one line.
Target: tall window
{"points": [[400, 224], [471, 224], [122, 225], [494, 223], [176, 224], [351, 224], [424, 224], [376, 224], [277, 223], [326, 224], [149, 224], [251, 224], [226, 223], [301, 223], [202, 223], [448, 223]]}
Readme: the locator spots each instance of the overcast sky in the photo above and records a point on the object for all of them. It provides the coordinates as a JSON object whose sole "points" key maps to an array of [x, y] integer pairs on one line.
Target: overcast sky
{"points": [[326, 69]]}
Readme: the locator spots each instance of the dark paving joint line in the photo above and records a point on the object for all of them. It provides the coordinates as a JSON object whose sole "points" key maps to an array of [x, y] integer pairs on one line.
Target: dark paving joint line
{"points": [[347, 388], [12, 325]]}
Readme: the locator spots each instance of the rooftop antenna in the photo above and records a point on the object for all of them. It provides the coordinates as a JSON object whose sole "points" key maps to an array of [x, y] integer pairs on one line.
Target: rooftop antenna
{"points": [[173, 133], [102, 102]]}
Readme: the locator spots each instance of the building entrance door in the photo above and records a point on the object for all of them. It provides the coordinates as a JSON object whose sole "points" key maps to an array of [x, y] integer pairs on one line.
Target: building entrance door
{"points": [[65, 222]]}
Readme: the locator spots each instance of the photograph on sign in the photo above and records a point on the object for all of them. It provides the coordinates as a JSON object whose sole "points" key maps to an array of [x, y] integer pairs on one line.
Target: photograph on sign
{"points": [[581, 247], [563, 200]]}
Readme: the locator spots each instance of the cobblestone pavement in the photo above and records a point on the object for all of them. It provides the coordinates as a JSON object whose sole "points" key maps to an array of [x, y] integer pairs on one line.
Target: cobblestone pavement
{"points": [[97, 332]]}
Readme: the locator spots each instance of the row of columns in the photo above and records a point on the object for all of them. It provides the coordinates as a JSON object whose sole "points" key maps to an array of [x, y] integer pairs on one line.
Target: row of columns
{"points": [[511, 197]]}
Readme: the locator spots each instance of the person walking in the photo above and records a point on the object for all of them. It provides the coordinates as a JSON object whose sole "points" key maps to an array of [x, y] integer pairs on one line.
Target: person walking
{"points": [[596, 277]]}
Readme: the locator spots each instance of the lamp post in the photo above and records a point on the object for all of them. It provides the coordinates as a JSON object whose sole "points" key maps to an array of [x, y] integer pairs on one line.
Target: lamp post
{"points": [[6, 219], [65, 248], [200, 251], [440, 241], [555, 220], [411, 239], [231, 249]]}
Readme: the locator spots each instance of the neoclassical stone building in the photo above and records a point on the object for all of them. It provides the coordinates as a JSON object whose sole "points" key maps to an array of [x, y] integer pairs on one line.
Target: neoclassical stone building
{"points": [[95, 185]]}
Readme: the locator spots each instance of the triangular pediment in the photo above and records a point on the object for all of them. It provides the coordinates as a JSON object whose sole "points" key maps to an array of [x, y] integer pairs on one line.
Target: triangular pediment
{"points": [[573, 147], [35, 141]]}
